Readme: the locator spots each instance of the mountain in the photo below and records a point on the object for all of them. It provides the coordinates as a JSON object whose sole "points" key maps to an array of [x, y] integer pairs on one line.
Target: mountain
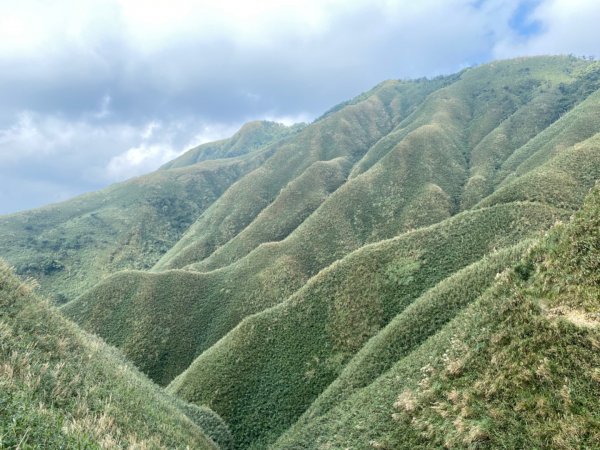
{"points": [[380, 277], [516, 368]]}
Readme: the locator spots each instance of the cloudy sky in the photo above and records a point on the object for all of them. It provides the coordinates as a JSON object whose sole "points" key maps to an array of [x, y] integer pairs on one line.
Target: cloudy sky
{"points": [[93, 92]]}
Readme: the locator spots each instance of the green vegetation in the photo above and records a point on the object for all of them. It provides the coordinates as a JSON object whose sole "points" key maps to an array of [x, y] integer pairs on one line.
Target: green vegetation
{"points": [[162, 321], [271, 367], [62, 388], [378, 278], [517, 368]]}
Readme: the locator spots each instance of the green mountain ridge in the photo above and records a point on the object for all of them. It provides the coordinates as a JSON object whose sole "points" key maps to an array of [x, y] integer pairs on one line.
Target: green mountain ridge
{"points": [[337, 284], [251, 137]]}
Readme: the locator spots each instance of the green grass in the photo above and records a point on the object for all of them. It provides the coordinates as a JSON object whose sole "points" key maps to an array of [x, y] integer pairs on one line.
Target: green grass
{"points": [[162, 321], [348, 133], [274, 244], [271, 367], [517, 368], [62, 388], [296, 201]]}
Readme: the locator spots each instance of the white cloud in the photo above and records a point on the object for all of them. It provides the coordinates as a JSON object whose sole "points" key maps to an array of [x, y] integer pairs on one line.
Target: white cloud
{"points": [[567, 26], [290, 119], [104, 109], [92, 154], [139, 160]]}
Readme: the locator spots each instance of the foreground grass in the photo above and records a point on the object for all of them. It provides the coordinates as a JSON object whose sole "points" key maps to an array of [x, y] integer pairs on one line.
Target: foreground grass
{"points": [[61, 388]]}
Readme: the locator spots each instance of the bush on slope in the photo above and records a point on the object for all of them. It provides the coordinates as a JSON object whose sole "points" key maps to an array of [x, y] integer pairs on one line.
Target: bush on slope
{"points": [[61, 388], [517, 369]]}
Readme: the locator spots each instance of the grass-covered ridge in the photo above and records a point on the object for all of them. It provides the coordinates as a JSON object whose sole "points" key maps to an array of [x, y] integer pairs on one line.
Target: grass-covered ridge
{"points": [[251, 137], [162, 321], [409, 150], [270, 368], [62, 388]]}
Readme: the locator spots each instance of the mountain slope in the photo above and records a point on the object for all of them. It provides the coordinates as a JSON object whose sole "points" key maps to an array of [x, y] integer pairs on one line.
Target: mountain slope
{"points": [[251, 137], [271, 367], [61, 388], [518, 368]]}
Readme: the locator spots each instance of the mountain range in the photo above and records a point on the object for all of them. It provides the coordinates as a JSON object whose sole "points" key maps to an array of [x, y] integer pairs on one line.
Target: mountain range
{"points": [[419, 267]]}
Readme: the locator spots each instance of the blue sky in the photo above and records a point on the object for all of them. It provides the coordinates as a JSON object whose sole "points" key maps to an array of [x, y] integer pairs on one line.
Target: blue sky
{"points": [[95, 92]]}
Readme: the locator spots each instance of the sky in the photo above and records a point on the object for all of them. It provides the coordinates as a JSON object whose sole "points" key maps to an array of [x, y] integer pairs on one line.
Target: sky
{"points": [[94, 92]]}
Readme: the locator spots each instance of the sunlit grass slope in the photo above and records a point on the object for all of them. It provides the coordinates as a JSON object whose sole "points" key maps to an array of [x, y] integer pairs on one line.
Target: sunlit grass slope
{"points": [[162, 321], [70, 246], [346, 133], [62, 388], [517, 368], [293, 205], [444, 154]]}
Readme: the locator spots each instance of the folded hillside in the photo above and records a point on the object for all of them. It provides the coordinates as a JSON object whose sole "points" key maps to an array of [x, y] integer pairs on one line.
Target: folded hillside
{"points": [[264, 374], [420, 169], [61, 388], [162, 321], [517, 368], [400, 157]]}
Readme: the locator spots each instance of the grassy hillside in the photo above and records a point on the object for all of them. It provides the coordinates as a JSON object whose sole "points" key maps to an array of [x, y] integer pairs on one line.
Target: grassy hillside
{"points": [[348, 133], [252, 136], [62, 388], [422, 171], [270, 368], [162, 321], [517, 368], [70, 246]]}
